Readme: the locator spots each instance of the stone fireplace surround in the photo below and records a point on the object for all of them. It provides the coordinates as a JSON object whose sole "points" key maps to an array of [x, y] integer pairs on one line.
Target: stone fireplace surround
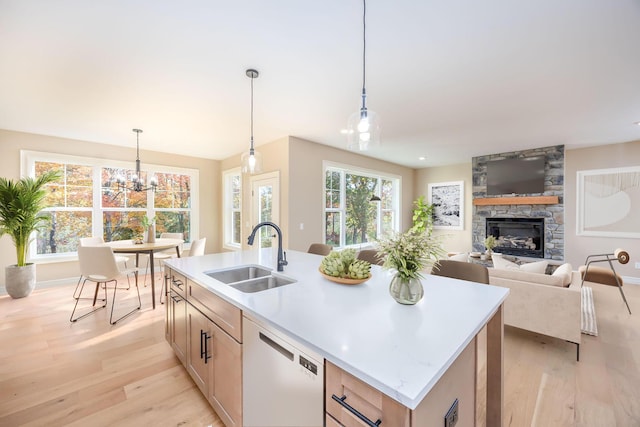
{"points": [[552, 214]]}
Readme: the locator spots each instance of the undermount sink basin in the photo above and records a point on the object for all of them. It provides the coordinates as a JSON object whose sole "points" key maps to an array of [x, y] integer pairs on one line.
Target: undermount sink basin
{"points": [[262, 283], [250, 278], [238, 274]]}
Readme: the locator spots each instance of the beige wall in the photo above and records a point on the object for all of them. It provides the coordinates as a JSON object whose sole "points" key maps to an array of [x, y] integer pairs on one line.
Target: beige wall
{"points": [[578, 247], [301, 186], [307, 182], [275, 157], [454, 240], [209, 172]]}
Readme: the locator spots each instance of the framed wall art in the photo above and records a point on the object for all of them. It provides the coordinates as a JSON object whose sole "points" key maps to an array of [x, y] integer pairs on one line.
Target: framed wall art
{"points": [[447, 199], [608, 202]]}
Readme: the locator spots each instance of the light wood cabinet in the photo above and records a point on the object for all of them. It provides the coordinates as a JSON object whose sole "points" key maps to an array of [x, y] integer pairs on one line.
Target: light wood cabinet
{"points": [[457, 383], [198, 327]]}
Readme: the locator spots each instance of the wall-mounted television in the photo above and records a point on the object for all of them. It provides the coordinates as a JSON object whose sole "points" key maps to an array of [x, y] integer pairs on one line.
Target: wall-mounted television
{"points": [[523, 175]]}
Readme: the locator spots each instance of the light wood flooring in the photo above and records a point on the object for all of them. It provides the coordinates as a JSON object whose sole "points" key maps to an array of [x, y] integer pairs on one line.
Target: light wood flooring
{"points": [[89, 373]]}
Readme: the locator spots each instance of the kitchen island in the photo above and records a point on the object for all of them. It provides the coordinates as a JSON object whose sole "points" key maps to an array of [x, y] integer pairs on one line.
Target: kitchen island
{"points": [[400, 351]]}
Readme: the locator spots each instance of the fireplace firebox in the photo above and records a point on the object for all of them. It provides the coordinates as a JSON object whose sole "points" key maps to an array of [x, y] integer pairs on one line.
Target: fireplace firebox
{"points": [[518, 236]]}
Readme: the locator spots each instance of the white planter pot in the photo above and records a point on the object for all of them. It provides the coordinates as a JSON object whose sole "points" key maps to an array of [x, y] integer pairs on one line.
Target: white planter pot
{"points": [[20, 281]]}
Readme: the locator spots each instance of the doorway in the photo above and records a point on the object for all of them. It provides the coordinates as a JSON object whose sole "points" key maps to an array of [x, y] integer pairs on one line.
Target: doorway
{"points": [[265, 205]]}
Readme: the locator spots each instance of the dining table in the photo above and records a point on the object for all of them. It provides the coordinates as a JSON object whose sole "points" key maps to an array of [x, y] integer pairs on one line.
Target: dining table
{"points": [[131, 247]]}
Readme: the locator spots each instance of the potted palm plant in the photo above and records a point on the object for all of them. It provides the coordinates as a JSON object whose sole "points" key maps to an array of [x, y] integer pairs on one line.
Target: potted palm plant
{"points": [[20, 205]]}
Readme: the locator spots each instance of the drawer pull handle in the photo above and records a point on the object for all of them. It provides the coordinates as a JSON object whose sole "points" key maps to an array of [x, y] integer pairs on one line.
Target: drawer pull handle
{"points": [[178, 283], [367, 421]]}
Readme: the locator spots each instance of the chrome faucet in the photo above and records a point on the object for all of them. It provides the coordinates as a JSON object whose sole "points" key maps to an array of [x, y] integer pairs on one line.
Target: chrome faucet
{"points": [[282, 256]]}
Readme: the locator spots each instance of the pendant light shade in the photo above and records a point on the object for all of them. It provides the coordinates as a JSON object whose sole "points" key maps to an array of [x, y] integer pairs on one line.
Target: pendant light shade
{"points": [[363, 127], [252, 160]]}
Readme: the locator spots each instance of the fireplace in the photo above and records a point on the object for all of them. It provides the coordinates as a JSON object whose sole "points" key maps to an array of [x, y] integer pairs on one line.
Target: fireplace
{"points": [[518, 236]]}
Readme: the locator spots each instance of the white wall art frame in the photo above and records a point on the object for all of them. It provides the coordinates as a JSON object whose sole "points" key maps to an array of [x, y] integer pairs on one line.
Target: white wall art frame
{"points": [[447, 199], [608, 202]]}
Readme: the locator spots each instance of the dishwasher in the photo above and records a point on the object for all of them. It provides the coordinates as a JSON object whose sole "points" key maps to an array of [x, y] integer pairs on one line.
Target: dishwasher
{"points": [[282, 382]]}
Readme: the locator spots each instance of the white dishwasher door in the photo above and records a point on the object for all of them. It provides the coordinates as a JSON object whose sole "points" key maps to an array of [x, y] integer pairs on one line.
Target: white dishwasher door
{"points": [[282, 383]]}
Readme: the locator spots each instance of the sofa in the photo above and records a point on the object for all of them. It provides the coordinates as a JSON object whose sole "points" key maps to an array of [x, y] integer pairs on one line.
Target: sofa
{"points": [[548, 304]]}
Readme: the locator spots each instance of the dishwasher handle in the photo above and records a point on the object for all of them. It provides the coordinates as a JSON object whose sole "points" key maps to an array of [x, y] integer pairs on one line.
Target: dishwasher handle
{"points": [[277, 347], [354, 411]]}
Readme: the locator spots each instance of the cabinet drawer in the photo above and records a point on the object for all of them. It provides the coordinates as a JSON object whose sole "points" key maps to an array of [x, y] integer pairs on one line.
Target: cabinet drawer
{"points": [[227, 316], [329, 421], [362, 398], [177, 283]]}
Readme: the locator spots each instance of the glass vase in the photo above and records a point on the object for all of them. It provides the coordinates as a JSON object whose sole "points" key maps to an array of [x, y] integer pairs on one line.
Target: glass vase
{"points": [[406, 290]]}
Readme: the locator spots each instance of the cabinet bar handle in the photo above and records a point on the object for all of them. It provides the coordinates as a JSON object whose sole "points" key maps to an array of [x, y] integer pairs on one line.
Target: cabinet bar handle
{"points": [[367, 421], [206, 355], [177, 282], [202, 344]]}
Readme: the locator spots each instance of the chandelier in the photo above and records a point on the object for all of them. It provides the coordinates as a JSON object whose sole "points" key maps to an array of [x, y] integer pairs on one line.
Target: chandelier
{"points": [[137, 183]]}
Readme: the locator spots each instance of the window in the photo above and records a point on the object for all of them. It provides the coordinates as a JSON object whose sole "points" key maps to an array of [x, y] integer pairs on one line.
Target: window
{"points": [[350, 218], [83, 202], [232, 181]]}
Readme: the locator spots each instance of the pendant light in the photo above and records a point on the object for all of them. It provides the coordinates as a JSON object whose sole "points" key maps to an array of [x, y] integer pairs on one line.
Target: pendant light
{"points": [[363, 128], [137, 183], [251, 161]]}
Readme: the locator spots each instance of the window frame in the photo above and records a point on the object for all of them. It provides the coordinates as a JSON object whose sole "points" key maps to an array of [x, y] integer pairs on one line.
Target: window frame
{"points": [[345, 169], [228, 210], [29, 158]]}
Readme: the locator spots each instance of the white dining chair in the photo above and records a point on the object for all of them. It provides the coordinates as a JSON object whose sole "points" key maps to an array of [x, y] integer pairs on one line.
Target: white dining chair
{"points": [[160, 256], [99, 241], [98, 264], [197, 247]]}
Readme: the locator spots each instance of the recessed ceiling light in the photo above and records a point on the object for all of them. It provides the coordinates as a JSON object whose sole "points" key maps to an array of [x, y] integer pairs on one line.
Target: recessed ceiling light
{"points": [[637, 123], [422, 158]]}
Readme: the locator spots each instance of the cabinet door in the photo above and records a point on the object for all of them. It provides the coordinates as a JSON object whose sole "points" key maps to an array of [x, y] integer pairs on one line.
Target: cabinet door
{"points": [[177, 307], [226, 378], [199, 348]]}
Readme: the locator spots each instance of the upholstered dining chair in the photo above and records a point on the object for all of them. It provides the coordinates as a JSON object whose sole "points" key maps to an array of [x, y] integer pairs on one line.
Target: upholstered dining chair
{"points": [[159, 257], [99, 241], [371, 256], [461, 270], [98, 264], [319, 249], [197, 247]]}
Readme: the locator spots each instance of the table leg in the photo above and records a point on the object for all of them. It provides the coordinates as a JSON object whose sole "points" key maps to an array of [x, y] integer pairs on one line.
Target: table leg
{"points": [[137, 266], [495, 368], [153, 283]]}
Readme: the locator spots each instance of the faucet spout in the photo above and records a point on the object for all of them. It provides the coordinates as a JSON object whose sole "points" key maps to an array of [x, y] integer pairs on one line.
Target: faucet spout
{"points": [[282, 256]]}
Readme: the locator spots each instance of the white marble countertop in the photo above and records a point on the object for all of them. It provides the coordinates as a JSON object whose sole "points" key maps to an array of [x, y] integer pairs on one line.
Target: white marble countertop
{"points": [[400, 350]]}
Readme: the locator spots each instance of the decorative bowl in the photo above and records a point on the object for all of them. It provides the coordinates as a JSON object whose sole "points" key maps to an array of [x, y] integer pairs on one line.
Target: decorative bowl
{"points": [[344, 281]]}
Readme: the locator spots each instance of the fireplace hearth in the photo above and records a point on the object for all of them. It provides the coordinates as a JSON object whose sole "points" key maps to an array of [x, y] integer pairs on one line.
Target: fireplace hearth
{"points": [[518, 236]]}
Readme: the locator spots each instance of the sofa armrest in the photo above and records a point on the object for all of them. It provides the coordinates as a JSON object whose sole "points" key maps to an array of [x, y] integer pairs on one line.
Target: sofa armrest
{"points": [[548, 310]]}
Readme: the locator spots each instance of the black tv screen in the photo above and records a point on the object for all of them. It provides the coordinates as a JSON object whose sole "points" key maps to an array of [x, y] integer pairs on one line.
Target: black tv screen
{"points": [[523, 175]]}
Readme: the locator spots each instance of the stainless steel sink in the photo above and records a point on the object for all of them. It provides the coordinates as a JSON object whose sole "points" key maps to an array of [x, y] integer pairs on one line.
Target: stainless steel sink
{"points": [[262, 283], [250, 278], [238, 274]]}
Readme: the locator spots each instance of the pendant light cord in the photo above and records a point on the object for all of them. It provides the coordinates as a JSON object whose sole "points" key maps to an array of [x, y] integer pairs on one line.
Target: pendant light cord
{"points": [[364, 52], [252, 114]]}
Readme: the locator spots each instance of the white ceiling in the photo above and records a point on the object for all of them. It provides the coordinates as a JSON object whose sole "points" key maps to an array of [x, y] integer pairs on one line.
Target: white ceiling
{"points": [[450, 79]]}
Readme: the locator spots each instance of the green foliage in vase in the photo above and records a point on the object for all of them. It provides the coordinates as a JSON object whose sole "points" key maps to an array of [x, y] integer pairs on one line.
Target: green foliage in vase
{"points": [[21, 203], [490, 242], [422, 216], [411, 252], [147, 222]]}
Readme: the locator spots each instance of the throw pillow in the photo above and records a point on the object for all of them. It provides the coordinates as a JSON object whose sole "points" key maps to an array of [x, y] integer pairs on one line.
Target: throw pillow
{"points": [[565, 271], [502, 264], [539, 267], [464, 257]]}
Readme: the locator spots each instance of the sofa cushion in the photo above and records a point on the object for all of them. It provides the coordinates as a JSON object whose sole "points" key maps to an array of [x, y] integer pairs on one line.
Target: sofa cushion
{"points": [[501, 277], [564, 271], [539, 267]]}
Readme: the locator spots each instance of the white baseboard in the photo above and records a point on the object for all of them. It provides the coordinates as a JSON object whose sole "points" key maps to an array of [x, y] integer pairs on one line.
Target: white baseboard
{"points": [[631, 280], [47, 284]]}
